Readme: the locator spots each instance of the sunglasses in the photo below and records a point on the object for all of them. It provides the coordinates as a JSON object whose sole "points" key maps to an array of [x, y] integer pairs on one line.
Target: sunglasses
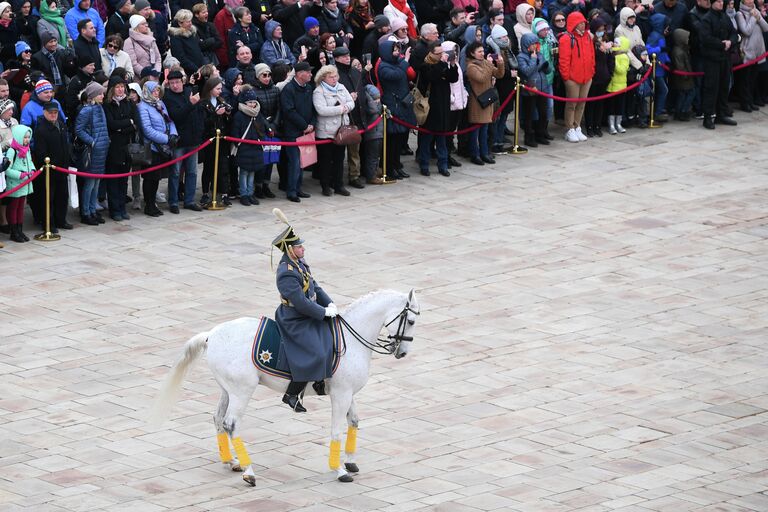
{"points": [[266, 74], [559, 20], [27, 51], [116, 47]]}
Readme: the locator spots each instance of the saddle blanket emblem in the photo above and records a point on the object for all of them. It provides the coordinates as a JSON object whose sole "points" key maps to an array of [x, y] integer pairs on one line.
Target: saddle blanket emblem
{"points": [[266, 347]]}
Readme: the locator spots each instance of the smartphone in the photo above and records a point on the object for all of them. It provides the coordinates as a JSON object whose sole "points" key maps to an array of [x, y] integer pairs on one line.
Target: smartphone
{"points": [[494, 56], [366, 59], [451, 56]]}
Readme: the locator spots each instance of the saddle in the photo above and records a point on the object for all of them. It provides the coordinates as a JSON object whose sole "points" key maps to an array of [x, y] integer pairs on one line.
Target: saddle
{"points": [[267, 345]]}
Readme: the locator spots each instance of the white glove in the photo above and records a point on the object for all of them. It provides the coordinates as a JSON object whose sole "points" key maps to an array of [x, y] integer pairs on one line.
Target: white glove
{"points": [[331, 311]]}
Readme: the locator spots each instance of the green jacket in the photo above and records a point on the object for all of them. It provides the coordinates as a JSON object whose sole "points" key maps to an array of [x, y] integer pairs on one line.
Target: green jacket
{"points": [[546, 48], [19, 165], [621, 67]]}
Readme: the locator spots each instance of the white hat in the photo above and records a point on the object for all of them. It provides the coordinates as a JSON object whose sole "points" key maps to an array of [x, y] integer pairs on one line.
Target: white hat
{"points": [[136, 20], [4, 6], [135, 88]]}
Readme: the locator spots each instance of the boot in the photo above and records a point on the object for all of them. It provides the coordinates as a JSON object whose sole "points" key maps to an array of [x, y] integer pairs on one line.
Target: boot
{"points": [[267, 193], [541, 130], [294, 402], [20, 232], [319, 387], [709, 122], [612, 125], [530, 140], [16, 233], [619, 128]]}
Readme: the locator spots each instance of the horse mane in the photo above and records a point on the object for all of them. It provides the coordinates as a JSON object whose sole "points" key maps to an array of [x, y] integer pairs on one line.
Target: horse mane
{"points": [[365, 298]]}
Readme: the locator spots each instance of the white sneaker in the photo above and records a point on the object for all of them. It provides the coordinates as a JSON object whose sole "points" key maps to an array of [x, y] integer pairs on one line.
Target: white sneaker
{"points": [[160, 198], [580, 135], [571, 136]]}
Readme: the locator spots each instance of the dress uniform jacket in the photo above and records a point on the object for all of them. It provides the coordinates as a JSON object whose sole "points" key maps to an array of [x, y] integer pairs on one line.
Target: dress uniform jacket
{"points": [[307, 348]]}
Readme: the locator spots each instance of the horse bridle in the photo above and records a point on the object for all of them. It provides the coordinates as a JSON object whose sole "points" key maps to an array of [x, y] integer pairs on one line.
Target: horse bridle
{"points": [[391, 343]]}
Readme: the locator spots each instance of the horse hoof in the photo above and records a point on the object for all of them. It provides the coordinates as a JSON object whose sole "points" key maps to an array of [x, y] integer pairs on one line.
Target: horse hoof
{"points": [[237, 468], [351, 467], [346, 479], [250, 479]]}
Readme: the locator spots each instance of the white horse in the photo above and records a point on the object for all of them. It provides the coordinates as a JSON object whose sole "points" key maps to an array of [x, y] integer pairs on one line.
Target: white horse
{"points": [[229, 348]]}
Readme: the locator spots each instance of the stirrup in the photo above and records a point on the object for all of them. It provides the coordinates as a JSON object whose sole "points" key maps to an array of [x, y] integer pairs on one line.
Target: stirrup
{"points": [[294, 402], [319, 387]]}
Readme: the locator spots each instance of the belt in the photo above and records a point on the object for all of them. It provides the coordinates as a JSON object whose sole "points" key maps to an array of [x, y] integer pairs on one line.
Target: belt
{"points": [[285, 302]]}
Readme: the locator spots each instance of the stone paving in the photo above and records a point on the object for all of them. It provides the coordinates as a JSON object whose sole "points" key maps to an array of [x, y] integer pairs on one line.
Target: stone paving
{"points": [[592, 339]]}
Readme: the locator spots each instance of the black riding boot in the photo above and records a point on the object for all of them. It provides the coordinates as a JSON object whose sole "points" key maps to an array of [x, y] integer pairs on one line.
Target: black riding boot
{"points": [[292, 396]]}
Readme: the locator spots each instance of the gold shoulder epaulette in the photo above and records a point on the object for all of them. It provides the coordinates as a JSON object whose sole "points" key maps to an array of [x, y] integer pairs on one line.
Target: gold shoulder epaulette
{"points": [[289, 267]]}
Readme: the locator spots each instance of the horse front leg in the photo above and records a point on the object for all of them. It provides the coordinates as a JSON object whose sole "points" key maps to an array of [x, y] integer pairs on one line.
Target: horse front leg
{"points": [[340, 404], [350, 447], [222, 437]]}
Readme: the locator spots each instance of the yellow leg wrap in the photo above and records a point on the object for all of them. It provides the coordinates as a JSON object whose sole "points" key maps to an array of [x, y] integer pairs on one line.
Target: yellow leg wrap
{"points": [[334, 459], [224, 452], [351, 444], [242, 455]]}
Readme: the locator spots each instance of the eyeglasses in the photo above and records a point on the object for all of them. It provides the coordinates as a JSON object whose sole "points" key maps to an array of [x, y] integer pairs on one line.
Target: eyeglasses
{"points": [[266, 74], [27, 51], [559, 20], [112, 45]]}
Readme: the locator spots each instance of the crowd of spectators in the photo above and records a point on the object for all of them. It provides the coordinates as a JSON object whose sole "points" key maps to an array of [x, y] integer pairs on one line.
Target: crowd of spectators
{"points": [[91, 83]]}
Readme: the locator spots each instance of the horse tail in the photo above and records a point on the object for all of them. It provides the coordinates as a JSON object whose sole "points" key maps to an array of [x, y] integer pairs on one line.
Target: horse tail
{"points": [[171, 389]]}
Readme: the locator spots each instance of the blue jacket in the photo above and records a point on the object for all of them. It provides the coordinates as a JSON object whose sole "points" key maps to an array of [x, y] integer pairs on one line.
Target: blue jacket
{"points": [[153, 126], [533, 72], [34, 109], [275, 50], [656, 42], [297, 109], [393, 82], [91, 128], [76, 14]]}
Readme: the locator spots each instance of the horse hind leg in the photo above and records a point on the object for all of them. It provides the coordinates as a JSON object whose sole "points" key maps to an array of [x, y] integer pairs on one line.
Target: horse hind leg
{"points": [[222, 437], [231, 424], [350, 447], [340, 404]]}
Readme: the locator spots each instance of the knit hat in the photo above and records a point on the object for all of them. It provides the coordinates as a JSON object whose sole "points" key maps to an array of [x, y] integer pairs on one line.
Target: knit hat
{"points": [[139, 5], [136, 20], [119, 4], [4, 6], [302, 66], [372, 91], [42, 86], [93, 89], [6, 103], [498, 32], [309, 22], [46, 37], [380, 22], [261, 68], [540, 24], [397, 24], [247, 95], [84, 59], [21, 47]]}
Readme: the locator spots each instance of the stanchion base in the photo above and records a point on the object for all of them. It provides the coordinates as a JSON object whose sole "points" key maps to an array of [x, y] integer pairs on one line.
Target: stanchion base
{"points": [[387, 181], [47, 237], [518, 150], [215, 206], [653, 124]]}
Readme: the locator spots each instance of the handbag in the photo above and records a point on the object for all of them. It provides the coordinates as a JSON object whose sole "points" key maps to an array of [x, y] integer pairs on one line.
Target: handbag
{"points": [[271, 151], [487, 97], [81, 154], [347, 135], [140, 152], [421, 103], [307, 152]]}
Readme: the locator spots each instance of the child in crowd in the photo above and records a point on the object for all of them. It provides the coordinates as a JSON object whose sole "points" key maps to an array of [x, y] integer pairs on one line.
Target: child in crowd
{"points": [[20, 168], [681, 84], [372, 139], [533, 72], [656, 43], [7, 122], [248, 124], [618, 82], [644, 92]]}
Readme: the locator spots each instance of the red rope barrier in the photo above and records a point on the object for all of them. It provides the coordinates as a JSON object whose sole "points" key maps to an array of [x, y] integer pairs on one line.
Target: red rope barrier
{"points": [[22, 184], [285, 143], [699, 73], [133, 173], [591, 98]]}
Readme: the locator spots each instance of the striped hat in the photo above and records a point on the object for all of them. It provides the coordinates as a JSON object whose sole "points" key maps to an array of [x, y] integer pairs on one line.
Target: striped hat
{"points": [[42, 86]]}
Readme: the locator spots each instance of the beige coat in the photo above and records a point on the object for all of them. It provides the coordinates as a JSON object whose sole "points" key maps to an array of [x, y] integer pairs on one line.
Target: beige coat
{"points": [[480, 74], [328, 106]]}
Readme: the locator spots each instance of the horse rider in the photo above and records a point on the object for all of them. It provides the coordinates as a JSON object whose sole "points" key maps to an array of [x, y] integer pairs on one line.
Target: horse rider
{"points": [[307, 348]]}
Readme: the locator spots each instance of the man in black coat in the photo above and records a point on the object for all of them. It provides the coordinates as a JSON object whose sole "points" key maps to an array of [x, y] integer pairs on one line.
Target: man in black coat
{"points": [[118, 22], [52, 141], [352, 79], [290, 14], [84, 76], [371, 43], [427, 34], [716, 37], [298, 118], [56, 63], [187, 112], [86, 44]]}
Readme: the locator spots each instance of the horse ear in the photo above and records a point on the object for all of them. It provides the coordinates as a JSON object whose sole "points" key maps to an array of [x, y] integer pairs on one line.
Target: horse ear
{"points": [[411, 296]]}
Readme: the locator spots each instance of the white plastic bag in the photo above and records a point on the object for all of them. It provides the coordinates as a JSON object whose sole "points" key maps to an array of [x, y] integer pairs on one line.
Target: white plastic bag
{"points": [[74, 199]]}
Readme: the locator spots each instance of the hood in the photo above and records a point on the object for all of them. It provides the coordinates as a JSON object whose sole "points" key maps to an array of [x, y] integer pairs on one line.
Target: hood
{"points": [[681, 37], [626, 13], [659, 22], [622, 45], [574, 19], [527, 40], [520, 13], [538, 24], [638, 50], [230, 76], [385, 51], [469, 34], [19, 132], [270, 27]]}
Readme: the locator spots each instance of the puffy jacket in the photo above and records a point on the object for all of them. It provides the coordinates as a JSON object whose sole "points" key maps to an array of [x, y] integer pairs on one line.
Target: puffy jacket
{"points": [[329, 107], [91, 128], [656, 42], [296, 109], [681, 60], [275, 50], [577, 52], [153, 125], [633, 33], [621, 66], [250, 37], [269, 102], [533, 70], [19, 165]]}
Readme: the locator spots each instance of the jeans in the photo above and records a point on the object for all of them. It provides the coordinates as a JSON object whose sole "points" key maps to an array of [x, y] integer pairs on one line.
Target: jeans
{"points": [[90, 196], [500, 125], [246, 182], [190, 177], [685, 100], [479, 135], [293, 168], [423, 151], [661, 95]]}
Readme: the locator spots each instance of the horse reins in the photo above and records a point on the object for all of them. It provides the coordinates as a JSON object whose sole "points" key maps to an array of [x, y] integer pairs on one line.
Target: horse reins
{"points": [[388, 345]]}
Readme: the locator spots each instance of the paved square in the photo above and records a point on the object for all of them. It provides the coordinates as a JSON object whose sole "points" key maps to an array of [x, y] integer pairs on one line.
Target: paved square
{"points": [[592, 338]]}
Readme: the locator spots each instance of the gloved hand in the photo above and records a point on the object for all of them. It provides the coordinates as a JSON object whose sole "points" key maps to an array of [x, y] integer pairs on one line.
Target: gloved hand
{"points": [[6, 164], [331, 311], [173, 141]]}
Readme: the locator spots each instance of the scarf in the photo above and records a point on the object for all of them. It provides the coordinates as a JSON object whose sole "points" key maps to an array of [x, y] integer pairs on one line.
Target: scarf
{"points": [[402, 6], [249, 111], [54, 18], [146, 93], [20, 150], [5, 23], [279, 49], [145, 42], [332, 14], [54, 67], [431, 59], [118, 99], [112, 62], [329, 88]]}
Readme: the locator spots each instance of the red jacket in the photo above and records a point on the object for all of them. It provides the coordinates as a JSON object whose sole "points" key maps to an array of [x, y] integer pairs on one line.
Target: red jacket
{"points": [[577, 52]]}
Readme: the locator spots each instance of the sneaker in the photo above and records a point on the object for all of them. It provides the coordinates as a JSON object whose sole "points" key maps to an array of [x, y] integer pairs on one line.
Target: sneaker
{"points": [[580, 135], [498, 149], [571, 136], [160, 198], [100, 207]]}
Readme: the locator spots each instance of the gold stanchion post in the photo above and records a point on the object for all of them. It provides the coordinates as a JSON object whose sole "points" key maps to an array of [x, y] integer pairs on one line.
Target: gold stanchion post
{"points": [[517, 149], [384, 179], [214, 205], [652, 78], [47, 236]]}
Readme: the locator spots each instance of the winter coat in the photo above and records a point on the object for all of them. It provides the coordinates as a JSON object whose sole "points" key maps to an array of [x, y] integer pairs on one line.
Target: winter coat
{"points": [[143, 51], [214, 121], [250, 157], [122, 123], [65, 61], [507, 83], [34, 109], [6, 134], [91, 128], [275, 50], [223, 22], [605, 62], [328, 22], [545, 45], [269, 102], [188, 118], [153, 126], [329, 105], [533, 70], [122, 60], [656, 42], [73, 17], [291, 18], [250, 37], [633, 33], [185, 46], [296, 109], [393, 76], [19, 165], [521, 27], [90, 49], [681, 61], [620, 66], [371, 112], [753, 40], [577, 52], [8, 37], [210, 40], [72, 98], [480, 74], [436, 79], [118, 24], [353, 81], [715, 28], [46, 27], [52, 141]]}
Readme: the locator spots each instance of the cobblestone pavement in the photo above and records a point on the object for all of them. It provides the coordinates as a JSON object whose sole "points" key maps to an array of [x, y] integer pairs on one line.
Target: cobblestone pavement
{"points": [[592, 338]]}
